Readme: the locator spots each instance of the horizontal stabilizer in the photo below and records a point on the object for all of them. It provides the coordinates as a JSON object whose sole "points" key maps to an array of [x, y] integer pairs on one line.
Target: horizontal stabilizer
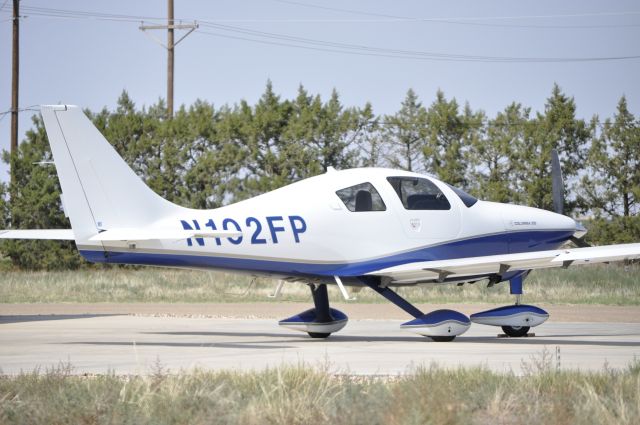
{"points": [[51, 234], [113, 235], [439, 270]]}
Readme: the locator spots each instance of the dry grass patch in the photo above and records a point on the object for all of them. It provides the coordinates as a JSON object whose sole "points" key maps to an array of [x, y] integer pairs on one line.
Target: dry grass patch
{"points": [[306, 395], [607, 284]]}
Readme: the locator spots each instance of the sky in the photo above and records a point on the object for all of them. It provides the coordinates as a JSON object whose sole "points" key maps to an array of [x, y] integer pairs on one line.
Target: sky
{"points": [[487, 53]]}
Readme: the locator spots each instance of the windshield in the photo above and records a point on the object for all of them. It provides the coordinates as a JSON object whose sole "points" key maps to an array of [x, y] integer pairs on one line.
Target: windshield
{"points": [[467, 199]]}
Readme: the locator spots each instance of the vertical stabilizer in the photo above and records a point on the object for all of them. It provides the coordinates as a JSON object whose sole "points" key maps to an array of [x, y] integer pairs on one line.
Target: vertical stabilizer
{"points": [[101, 191]]}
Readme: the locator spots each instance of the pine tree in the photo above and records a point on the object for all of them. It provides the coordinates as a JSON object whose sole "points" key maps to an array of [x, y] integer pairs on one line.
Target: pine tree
{"points": [[338, 129], [445, 150], [35, 204], [494, 154], [214, 156], [371, 139], [4, 206], [207, 157], [405, 134], [611, 188], [556, 128], [271, 161]]}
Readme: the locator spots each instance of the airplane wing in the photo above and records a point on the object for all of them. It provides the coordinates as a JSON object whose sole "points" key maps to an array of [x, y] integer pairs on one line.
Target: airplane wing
{"points": [[51, 234], [134, 234], [440, 270]]}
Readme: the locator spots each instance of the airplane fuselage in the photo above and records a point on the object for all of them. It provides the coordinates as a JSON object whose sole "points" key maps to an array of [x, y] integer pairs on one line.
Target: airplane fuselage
{"points": [[307, 230]]}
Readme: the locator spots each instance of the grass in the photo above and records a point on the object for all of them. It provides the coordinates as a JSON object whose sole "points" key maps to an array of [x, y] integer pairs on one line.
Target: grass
{"points": [[305, 395], [607, 284]]}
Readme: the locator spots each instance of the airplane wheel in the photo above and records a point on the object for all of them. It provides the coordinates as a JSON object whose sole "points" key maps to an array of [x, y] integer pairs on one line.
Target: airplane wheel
{"points": [[442, 338], [516, 331], [318, 335]]}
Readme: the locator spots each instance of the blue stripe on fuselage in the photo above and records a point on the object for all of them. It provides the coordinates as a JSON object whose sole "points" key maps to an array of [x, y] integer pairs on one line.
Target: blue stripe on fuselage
{"points": [[485, 245]]}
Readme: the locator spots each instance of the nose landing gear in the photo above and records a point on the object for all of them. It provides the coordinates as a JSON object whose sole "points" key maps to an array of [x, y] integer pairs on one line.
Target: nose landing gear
{"points": [[515, 320], [516, 331]]}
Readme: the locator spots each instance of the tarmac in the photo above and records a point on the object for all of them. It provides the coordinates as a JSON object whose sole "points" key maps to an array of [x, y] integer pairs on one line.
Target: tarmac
{"points": [[139, 344]]}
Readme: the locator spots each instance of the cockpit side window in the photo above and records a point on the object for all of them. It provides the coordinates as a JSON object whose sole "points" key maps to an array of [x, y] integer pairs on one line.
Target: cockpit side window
{"points": [[361, 197], [419, 194], [467, 199]]}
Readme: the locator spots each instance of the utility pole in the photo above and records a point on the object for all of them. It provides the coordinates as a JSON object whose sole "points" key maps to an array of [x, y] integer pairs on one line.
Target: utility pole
{"points": [[170, 46], [15, 67], [170, 49]]}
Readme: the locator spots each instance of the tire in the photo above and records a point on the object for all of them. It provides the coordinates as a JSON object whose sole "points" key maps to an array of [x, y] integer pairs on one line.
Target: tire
{"points": [[442, 338], [318, 335], [516, 331]]}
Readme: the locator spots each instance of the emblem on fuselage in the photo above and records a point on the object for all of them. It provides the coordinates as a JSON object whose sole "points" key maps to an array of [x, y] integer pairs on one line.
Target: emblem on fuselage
{"points": [[415, 224], [522, 223]]}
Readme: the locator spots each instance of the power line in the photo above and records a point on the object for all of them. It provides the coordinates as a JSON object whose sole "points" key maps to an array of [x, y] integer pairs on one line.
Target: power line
{"points": [[421, 57], [72, 14], [284, 40], [79, 14], [322, 45], [469, 20], [361, 12], [28, 108], [6, 113]]}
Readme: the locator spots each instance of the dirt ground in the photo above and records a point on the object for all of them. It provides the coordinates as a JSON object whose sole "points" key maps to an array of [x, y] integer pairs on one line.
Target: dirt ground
{"points": [[271, 310]]}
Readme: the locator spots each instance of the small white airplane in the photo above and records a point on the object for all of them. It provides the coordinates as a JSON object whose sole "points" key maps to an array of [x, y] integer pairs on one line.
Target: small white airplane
{"points": [[367, 227]]}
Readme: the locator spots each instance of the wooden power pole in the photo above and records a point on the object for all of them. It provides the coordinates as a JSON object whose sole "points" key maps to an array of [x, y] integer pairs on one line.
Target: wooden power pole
{"points": [[15, 67], [170, 49], [170, 46]]}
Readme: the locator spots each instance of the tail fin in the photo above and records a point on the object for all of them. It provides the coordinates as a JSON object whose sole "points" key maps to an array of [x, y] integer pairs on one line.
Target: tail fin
{"points": [[99, 189]]}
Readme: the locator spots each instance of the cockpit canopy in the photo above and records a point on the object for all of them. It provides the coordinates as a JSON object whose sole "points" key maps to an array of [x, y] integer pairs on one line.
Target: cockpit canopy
{"points": [[415, 193]]}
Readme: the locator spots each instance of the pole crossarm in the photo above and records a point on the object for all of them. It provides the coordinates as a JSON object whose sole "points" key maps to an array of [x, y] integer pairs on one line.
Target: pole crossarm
{"points": [[166, 27], [190, 27]]}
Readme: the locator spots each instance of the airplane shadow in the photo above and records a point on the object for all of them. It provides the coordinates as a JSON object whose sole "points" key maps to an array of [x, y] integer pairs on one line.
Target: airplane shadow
{"points": [[293, 337], [218, 333], [610, 335], [492, 340], [549, 340], [47, 317], [544, 340], [179, 344]]}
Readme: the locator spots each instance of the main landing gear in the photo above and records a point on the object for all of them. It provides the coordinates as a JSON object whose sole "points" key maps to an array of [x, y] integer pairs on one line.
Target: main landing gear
{"points": [[515, 320], [320, 321], [439, 325]]}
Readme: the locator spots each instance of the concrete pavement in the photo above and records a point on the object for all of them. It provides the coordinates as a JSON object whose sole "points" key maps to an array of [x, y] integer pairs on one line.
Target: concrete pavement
{"points": [[129, 344]]}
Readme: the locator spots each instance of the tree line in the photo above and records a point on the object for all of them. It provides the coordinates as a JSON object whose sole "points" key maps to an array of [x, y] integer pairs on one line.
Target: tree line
{"points": [[208, 156]]}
